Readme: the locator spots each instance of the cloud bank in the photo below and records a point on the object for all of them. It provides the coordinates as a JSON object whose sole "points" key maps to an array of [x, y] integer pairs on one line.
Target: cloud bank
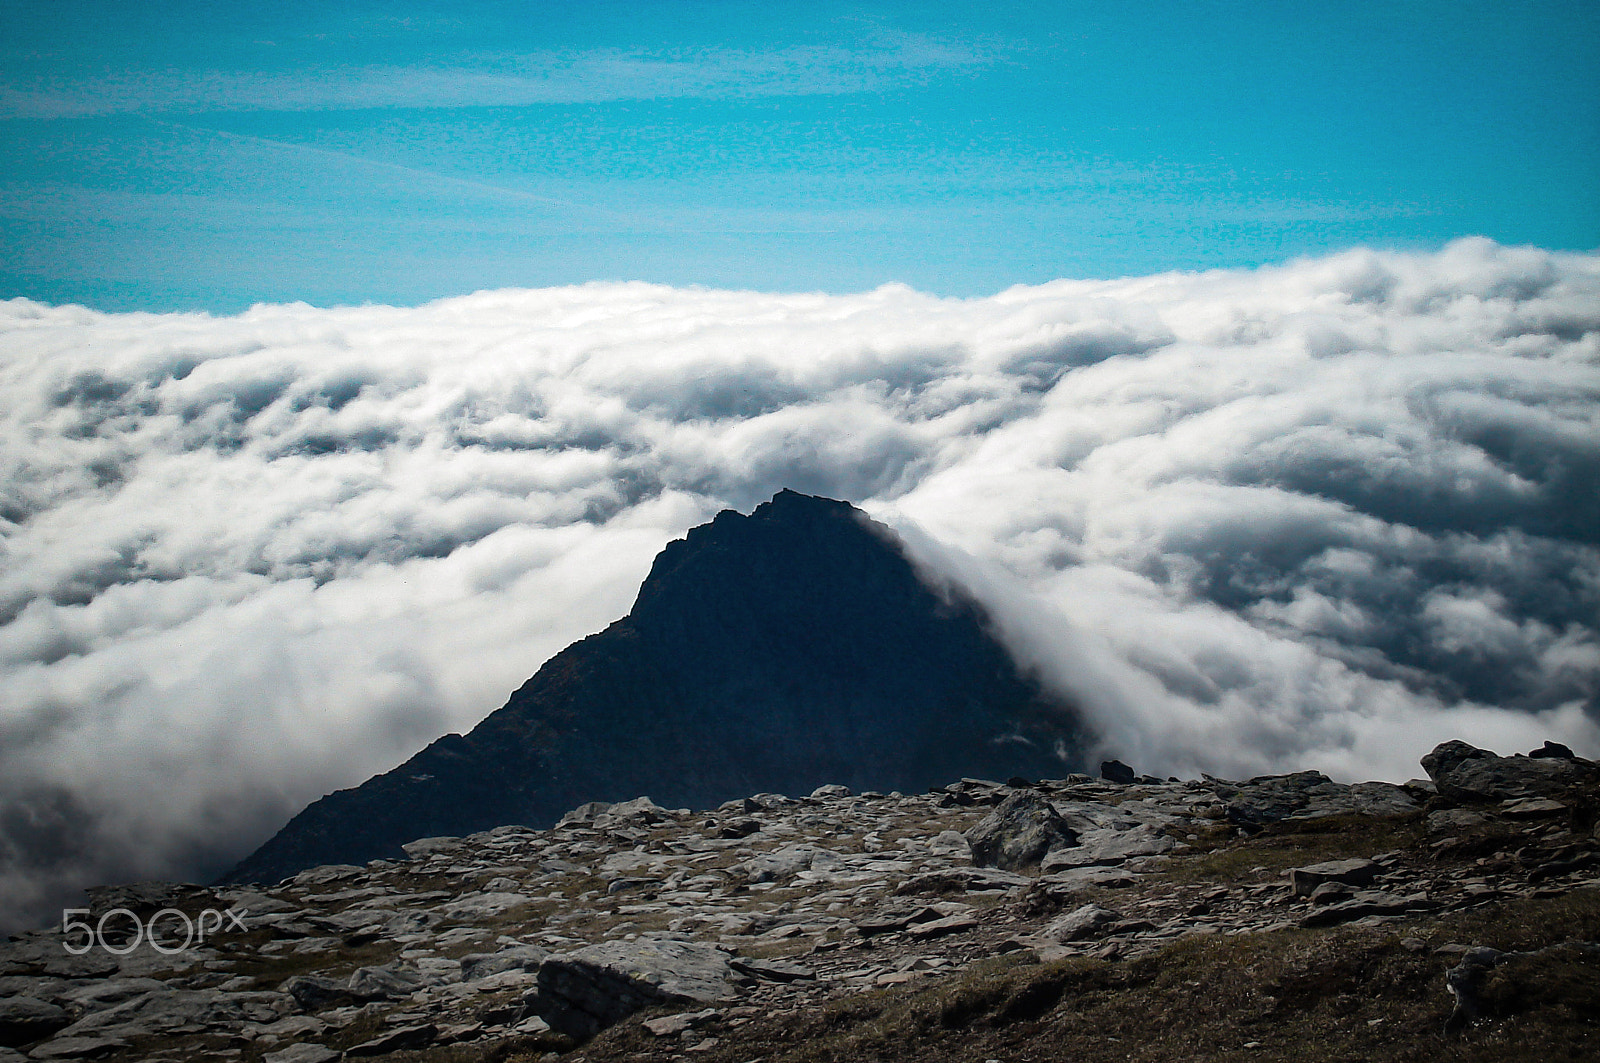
{"points": [[1326, 514]]}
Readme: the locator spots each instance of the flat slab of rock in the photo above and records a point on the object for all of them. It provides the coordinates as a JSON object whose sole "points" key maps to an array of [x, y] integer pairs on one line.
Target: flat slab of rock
{"points": [[674, 1025], [1305, 880], [1533, 808], [77, 1047], [584, 991], [1082, 878], [1363, 904], [933, 928], [962, 880], [516, 958], [405, 1037], [772, 970], [302, 1054], [1104, 847]]}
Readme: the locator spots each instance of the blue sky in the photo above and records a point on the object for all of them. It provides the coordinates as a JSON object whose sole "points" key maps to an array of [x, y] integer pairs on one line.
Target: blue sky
{"points": [[212, 155]]}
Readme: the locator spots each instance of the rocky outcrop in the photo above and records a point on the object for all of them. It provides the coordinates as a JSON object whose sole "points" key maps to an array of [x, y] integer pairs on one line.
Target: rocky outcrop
{"points": [[1464, 772], [780, 651], [519, 941]]}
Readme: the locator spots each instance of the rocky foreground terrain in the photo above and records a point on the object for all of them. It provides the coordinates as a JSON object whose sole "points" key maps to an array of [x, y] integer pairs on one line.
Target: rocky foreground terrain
{"points": [[1287, 917]]}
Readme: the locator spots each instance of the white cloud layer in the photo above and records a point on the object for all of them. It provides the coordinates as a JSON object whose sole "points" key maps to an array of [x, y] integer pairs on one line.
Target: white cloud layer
{"points": [[1323, 515]]}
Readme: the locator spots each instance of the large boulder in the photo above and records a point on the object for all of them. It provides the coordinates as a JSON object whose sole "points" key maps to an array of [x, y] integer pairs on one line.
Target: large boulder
{"points": [[1463, 772], [1019, 833]]}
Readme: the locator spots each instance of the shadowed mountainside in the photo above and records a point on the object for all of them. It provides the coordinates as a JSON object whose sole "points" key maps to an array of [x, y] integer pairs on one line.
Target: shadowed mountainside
{"points": [[776, 652]]}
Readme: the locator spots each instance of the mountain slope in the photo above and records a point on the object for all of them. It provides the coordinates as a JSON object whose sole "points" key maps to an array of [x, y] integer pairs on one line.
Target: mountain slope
{"points": [[777, 652]]}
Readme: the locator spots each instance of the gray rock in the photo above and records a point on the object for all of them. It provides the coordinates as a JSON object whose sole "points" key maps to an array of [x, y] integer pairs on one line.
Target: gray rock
{"points": [[316, 993], [25, 1019], [1533, 808], [583, 992], [641, 810], [1082, 878], [92, 964], [483, 905], [27, 985], [321, 876], [1089, 921], [423, 848], [295, 1026], [949, 924], [303, 1053], [1115, 771], [1104, 847], [77, 1047], [1019, 833], [674, 1025], [1451, 819], [1363, 904], [1348, 872], [772, 970], [1331, 893], [777, 866], [584, 814], [1464, 772], [405, 1037], [516, 958], [391, 981]]}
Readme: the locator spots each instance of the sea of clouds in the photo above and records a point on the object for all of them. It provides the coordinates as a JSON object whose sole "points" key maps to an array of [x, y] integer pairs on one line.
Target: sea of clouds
{"points": [[1321, 515]]}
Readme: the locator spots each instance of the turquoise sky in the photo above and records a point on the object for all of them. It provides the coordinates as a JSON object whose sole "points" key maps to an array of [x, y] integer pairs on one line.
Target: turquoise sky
{"points": [[183, 154]]}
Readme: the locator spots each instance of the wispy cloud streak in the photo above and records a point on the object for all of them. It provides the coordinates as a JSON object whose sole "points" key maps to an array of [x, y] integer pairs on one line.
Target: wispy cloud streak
{"points": [[596, 76]]}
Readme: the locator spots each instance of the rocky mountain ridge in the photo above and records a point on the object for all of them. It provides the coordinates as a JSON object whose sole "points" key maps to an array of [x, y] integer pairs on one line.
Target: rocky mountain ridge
{"points": [[1016, 920], [786, 649]]}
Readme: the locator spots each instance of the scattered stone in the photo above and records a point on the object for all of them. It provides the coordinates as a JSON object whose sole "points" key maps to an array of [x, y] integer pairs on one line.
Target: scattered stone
{"points": [[554, 920], [674, 1025]]}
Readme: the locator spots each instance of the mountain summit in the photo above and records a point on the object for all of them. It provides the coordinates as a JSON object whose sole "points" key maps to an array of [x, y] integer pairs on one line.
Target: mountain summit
{"points": [[774, 652]]}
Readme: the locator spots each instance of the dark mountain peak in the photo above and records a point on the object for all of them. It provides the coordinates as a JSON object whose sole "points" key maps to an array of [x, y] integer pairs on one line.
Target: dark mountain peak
{"points": [[793, 533], [778, 651]]}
